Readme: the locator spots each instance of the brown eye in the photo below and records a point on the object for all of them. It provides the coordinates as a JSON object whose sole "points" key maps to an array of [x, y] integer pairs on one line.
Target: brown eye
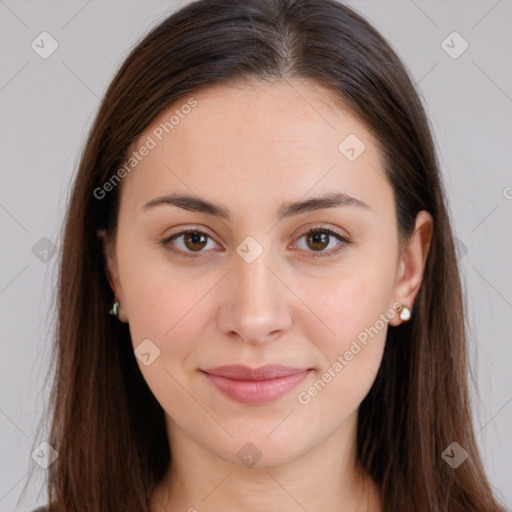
{"points": [[317, 240], [194, 240], [190, 243]]}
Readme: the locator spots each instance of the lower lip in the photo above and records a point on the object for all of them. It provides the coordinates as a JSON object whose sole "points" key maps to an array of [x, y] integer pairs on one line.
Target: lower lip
{"points": [[256, 391]]}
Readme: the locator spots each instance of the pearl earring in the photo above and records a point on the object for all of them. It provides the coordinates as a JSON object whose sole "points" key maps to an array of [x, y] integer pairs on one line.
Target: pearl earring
{"points": [[404, 312], [115, 309]]}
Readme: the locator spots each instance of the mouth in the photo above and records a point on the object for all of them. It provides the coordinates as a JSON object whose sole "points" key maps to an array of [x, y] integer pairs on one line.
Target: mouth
{"points": [[255, 385]]}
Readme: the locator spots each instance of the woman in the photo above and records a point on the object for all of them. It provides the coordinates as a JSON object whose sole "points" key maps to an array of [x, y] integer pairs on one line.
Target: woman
{"points": [[259, 207]]}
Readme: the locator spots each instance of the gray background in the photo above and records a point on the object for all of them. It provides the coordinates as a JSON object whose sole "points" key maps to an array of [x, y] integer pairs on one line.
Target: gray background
{"points": [[47, 106]]}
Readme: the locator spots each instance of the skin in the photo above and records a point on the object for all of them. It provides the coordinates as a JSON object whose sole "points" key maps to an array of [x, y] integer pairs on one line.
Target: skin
{"points": [[250, 148]]}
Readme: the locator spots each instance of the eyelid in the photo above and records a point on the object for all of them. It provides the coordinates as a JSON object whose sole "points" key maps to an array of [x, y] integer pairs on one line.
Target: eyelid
{"points": [[324, 227]]}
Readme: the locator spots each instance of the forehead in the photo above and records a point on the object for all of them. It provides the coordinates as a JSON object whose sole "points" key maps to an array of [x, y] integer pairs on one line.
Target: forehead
{"points": [[246, 140], [291, 111]]}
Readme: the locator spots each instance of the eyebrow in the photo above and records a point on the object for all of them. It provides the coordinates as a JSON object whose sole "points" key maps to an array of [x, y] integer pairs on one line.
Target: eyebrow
{"points": [[197, 204]]}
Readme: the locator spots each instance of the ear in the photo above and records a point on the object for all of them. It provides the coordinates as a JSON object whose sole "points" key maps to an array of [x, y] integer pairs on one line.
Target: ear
{"points": [[412, 264], [112, 272]]}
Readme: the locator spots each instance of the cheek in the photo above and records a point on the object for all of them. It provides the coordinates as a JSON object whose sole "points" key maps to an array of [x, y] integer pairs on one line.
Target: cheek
{"points": [[349, 339], [162, 302], [173, 310], [171, 313], [344, 307]]}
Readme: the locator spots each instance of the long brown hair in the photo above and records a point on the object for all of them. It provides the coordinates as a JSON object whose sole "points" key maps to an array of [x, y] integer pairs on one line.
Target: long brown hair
{"points": [[107, 427]]}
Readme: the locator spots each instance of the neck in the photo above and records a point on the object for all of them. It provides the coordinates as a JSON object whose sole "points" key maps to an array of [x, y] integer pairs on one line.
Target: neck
{"points": [[327, 477]]}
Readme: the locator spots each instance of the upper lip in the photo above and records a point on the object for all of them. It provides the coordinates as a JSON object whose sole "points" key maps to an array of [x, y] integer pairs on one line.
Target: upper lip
{"points": [[240, 372]]}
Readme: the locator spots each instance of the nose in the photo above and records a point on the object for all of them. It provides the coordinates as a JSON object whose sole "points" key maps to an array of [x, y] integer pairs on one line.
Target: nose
{"points": [[257, 304]]}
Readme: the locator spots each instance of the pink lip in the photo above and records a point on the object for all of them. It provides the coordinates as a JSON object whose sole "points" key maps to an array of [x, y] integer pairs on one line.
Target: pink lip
{"points": [[255, 385]]}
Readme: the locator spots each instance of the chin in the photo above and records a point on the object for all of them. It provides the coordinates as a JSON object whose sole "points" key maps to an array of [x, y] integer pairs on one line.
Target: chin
{"points": [[259, 450]]}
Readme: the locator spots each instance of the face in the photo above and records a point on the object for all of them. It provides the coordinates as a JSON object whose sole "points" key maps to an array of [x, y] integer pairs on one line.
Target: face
{"points": [[265, 283]]}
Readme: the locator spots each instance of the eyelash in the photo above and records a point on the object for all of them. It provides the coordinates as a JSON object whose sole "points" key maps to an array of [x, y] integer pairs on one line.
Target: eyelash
{"points": [[315, 229]]}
